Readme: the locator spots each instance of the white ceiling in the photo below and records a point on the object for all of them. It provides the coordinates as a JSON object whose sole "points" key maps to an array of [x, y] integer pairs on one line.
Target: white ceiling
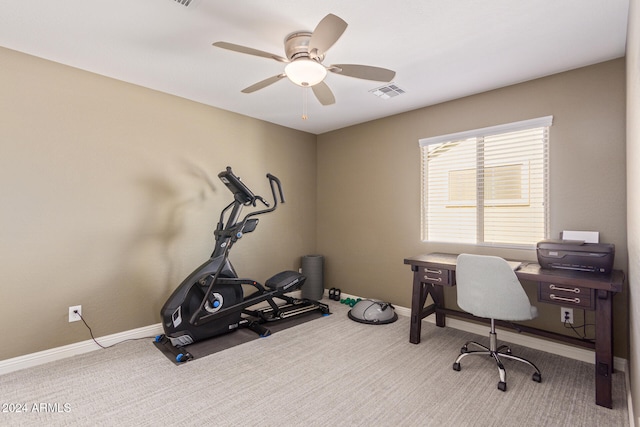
{"points": [[440, 49]]}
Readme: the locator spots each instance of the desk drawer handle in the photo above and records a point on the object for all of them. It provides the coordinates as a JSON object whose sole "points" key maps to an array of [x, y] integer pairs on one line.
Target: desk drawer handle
{"points": [[433, 279], [558, 288], [426, 270], [573, 300]]}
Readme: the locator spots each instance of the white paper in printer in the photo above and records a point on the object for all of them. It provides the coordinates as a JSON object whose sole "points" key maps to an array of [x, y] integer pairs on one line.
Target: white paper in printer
{"points": [[585, 236]]}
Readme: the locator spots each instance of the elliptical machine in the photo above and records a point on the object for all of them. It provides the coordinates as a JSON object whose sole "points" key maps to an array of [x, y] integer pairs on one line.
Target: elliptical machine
{"points": [[211, 300]]}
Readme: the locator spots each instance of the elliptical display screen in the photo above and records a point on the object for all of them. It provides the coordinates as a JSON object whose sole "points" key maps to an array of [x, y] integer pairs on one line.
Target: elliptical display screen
{"points": [[240, 191]]}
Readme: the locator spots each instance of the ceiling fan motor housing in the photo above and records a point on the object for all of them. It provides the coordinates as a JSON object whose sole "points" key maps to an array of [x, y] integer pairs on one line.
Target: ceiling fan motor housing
{"points": [[296, 46]]}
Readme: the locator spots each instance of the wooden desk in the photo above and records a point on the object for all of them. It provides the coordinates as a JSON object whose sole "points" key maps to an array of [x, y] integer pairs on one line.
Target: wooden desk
{"points": [[590, 291]]}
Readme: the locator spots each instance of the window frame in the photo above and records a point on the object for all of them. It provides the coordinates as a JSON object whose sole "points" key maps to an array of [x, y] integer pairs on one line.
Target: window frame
{"points": [[450, 140]]}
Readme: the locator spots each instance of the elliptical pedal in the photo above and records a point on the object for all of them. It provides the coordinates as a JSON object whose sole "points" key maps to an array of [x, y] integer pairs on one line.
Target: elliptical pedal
{"points": [[258, 329], [180, 353]]}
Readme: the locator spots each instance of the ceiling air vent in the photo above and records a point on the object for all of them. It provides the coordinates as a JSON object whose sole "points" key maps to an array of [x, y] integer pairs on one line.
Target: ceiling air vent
{"points": [[184, 2], [388, 91]]}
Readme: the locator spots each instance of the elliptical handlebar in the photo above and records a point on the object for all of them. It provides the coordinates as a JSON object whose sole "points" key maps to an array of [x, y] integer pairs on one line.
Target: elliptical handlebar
{"points": [[232, 230], [274, 183], [272, 180]]}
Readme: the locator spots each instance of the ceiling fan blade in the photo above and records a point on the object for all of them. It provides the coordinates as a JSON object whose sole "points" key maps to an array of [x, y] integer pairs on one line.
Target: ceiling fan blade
{"points": [[249, 51], [262, 84], [327, 32], [363, 72], [323, 93]]}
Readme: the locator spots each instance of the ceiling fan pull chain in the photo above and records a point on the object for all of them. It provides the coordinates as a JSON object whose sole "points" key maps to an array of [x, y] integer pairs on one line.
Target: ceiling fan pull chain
{"points": [[305, 99]]}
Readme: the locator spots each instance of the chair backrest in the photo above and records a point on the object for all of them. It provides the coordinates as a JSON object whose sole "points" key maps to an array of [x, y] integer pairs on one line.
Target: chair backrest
{"points": [[488, 287]]}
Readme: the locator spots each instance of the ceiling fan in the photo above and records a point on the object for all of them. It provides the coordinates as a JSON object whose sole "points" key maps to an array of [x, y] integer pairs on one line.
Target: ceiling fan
{"points": [[305, 52]]}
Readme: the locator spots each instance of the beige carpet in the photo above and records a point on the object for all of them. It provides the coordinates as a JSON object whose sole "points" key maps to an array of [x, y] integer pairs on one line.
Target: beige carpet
{"points": [[329, 371]]}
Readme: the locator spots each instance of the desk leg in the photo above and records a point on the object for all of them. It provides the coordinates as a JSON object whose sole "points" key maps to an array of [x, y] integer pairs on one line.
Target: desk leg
{"points": [[418, 298], [604, 348], [437, 293]]}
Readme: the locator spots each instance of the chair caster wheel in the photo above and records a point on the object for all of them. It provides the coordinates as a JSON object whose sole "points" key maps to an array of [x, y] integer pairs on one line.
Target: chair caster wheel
{"points": [[456, 366], [502, 386], [537, 377], [464, 349]]}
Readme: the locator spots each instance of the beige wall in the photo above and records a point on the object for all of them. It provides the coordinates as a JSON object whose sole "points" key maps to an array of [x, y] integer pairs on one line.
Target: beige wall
{"points": [[369, 182], [110, 196], [633, 199]]}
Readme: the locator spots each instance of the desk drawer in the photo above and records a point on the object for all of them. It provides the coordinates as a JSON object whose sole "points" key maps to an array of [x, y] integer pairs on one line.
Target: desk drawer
{"points": [[437, 276], [568, 296]]}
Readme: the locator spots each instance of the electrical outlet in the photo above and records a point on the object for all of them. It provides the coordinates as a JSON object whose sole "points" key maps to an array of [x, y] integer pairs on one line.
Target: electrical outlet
{"points": [[73, 316], [566, 315]]}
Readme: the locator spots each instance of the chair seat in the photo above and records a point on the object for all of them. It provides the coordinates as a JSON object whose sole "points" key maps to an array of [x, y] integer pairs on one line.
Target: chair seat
{"points": [[532, 314]]}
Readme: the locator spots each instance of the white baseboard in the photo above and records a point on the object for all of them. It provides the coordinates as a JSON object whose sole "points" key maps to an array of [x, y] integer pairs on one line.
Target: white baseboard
{"points": [[45, 356], [35, 359]]}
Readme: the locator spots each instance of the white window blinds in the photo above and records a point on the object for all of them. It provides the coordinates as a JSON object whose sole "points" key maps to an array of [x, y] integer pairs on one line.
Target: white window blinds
{"points": [[487, 186]]}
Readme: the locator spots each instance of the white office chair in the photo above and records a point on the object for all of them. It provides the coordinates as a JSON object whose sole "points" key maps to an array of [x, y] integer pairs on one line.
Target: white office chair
{"points": [[488, 287]]}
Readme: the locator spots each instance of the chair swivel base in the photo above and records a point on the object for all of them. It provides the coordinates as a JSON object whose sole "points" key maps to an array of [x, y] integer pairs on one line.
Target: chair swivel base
{"points": [[497, 353]]}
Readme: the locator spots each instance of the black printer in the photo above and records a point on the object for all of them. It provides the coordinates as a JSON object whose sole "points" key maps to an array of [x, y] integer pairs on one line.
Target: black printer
{"points": [[576, 255]]}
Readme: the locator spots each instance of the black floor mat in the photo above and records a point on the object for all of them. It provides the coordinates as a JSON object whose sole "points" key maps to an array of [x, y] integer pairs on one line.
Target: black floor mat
{"points": [[232, 339]]}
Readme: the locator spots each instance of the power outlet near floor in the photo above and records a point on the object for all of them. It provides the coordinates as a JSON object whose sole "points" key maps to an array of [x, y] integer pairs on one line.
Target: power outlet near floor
{"points": [[74, 313], [566, 315]]}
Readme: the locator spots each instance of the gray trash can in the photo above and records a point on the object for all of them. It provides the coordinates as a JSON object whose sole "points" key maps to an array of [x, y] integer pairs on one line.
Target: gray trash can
{"points": [[312, 268]]}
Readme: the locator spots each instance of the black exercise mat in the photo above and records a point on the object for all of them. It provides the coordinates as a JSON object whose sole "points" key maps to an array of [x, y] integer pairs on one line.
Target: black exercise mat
{"points": [[237, 337]]}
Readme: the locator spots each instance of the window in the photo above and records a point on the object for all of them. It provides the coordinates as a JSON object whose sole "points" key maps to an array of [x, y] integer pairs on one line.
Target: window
{"points": [[487, 186]]}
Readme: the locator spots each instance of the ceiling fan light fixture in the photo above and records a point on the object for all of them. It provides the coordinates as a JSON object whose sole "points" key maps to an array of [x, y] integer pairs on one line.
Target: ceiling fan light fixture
{"points": [[305, 72]]}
